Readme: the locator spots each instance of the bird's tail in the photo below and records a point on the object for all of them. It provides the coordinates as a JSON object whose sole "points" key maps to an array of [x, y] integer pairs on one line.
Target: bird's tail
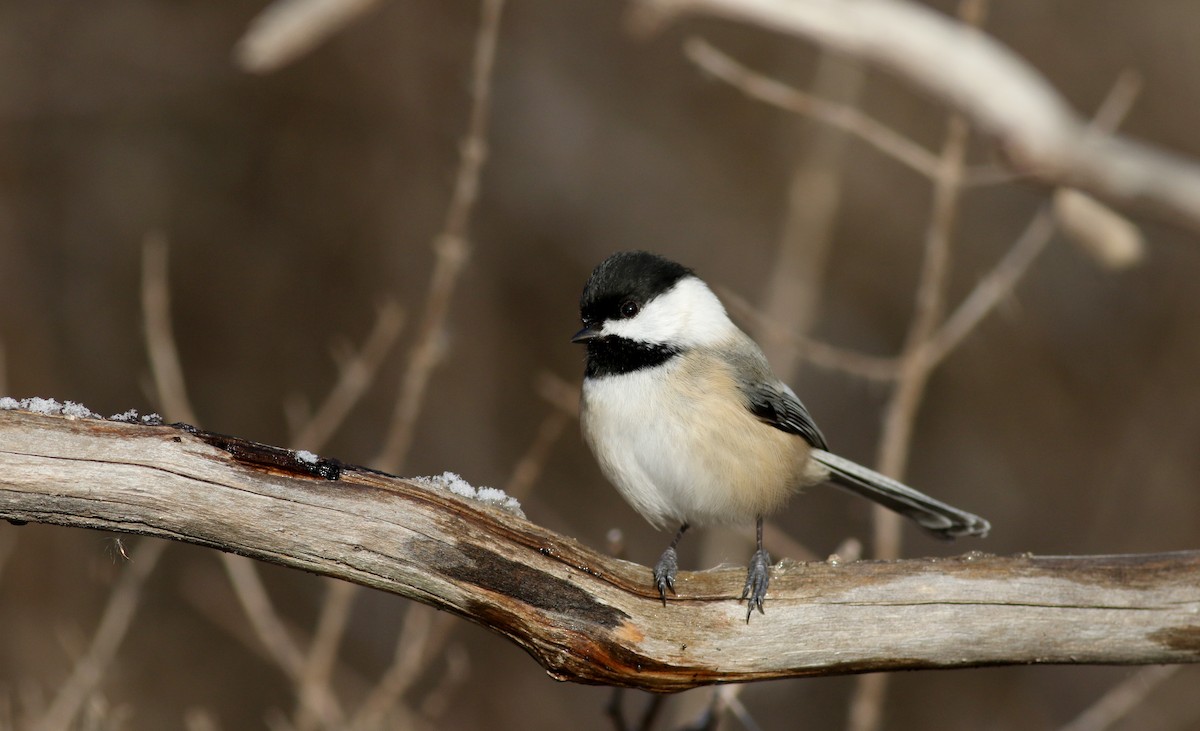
{"points": [[937, 517]]}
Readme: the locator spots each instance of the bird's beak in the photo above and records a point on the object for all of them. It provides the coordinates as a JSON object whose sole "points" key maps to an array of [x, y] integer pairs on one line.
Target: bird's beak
{"points": [[589, 332]]}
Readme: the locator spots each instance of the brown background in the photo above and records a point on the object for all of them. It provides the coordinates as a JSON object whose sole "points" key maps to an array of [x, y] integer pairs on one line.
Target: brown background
{"points": [[295, 201]]}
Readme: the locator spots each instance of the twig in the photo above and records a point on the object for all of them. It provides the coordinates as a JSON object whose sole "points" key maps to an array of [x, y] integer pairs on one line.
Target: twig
{"points": [[356, 373], [823, 355], [255, 601], [8, 544], [1002, 280], [870, 692], [453, 250], [316, 703], [458, 667], [451, 246], [727, 699], [423, 630], [165, 365], [999, 283], [114, 623], [1121, 699], [558, 392], [793, 290], [529, 467], [288, 29], [849, 119], [169, 382]]}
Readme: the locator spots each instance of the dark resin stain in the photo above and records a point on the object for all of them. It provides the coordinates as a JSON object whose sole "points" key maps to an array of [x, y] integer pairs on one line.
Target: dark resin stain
{"points": [[516, 581]]}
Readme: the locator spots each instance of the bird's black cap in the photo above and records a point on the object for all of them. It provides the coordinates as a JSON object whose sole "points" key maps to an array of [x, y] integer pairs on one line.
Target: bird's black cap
{"points": [[627, 275]]}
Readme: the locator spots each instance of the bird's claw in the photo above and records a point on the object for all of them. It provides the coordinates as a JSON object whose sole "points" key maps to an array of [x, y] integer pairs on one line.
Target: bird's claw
{"points": [[758, 576], [664, 573]]}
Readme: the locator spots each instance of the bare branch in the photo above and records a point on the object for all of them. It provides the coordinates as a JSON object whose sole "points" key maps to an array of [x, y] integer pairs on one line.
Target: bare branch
{"points": [[1121, 699], [900, 414], [820, 354], [87, 673], [160, 338], [452, 247], [846, 118], [3, 369], [256, 603], [288, 29], [316, 705], [529, 467], [1039, 133], [585, 616], [356, 373], [1108, 237]]}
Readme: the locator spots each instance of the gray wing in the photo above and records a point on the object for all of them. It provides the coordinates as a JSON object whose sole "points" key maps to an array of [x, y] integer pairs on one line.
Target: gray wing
{"points": [[777, 405], [768, 398]]}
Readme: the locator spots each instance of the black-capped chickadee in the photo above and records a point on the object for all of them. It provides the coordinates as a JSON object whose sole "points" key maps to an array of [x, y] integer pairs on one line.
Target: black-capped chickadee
{"points": [[686, 419]]}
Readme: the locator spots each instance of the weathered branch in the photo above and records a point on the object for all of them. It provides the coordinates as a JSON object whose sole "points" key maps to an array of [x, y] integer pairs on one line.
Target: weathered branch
{"points": [[1000, 93], [585, 616]]}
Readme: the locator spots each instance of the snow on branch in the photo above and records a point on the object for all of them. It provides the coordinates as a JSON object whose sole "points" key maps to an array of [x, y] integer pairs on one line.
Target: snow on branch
{"points": [[1041, 136], [585, 616]]}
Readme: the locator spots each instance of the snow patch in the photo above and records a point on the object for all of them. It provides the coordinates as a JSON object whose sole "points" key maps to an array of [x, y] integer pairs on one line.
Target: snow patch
{"points": [[73, 410], [488, 495], [48, 406], [307, 457]]}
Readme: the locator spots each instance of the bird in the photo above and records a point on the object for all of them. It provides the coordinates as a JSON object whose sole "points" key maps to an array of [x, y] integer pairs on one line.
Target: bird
{"points": [[688, 422]]}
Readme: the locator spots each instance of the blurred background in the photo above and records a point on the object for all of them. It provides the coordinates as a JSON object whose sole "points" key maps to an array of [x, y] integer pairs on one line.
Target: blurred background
{"points": [[295, 202]]}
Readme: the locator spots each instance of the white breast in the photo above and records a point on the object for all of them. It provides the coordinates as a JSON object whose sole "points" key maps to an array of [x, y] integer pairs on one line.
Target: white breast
{"points": [[689, 452]]}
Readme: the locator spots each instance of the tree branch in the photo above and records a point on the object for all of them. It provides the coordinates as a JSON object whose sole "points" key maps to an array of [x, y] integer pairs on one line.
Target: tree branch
{"points": [[584, 616], [975, 74]]}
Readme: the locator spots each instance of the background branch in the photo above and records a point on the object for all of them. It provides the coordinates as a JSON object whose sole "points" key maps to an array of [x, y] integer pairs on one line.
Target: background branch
{"points": [[1041, 136], [584, 616]]}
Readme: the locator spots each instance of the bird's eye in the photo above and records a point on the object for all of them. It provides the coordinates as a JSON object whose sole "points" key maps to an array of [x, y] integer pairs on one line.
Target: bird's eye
{"points": [[629, 308]]}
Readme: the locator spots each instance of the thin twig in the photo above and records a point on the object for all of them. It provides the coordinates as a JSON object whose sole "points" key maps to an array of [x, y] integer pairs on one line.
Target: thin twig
{"points": [[978, 176], [288, 29], [8, 544], [792, 294], [165, 365], [458, 667], [992, 289], [821, 354], [167, 373], [558, 392], [531, 464], [1121, 699], [1039, 134], [315, 702], [114, 623], [451, 246], [356, 373], [847, 118], [422, 632], [870, 691], [731, 702], [453, 250], [1003, 278], [255, 601]]}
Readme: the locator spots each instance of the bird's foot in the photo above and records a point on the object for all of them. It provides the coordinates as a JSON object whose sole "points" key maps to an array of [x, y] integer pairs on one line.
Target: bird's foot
{"points": [[758, 576], [664, 573]]}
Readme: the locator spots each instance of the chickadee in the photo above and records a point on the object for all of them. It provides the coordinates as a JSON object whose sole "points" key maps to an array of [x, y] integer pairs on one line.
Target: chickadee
{"points": [[686, 419]]}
